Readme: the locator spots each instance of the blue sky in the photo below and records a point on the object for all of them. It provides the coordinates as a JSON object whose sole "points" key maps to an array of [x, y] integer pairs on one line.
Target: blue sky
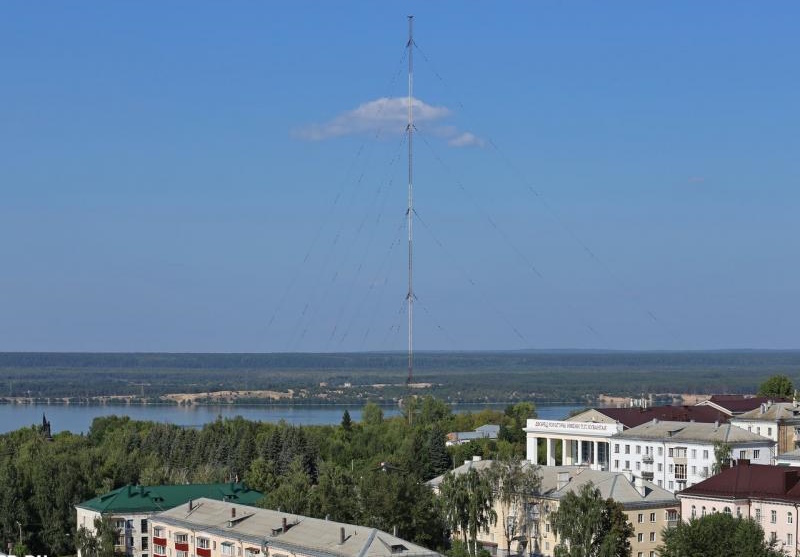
{"points": [[207, 176]]}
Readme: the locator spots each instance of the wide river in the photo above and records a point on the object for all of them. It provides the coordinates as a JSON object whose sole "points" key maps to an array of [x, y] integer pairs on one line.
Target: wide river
{"points": [[78, 418]]}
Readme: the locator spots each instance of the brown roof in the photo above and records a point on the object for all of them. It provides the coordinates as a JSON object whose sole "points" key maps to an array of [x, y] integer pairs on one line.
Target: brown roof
{"points": [[737, 404], [751, 481], [632, 417]]}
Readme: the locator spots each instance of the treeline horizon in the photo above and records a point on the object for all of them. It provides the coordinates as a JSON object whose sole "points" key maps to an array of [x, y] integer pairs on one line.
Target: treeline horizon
{"points": [[454, 376]]}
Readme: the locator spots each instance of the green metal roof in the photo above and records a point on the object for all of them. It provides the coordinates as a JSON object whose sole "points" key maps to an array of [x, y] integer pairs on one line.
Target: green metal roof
{"points": [[157, 498]]}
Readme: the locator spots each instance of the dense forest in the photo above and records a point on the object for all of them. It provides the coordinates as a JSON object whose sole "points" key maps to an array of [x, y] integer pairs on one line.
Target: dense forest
{"points": [[371, 472], [355, 378]]}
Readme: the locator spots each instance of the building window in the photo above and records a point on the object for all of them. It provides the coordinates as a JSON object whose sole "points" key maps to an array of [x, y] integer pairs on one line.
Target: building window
{"points": [[627, 465], [680, 471], [742, 455], [159, 550], [660, 483], [145, 543], [143, 525], [181, 554], [652, 536], [130, 541], [773, 537], [616, 447], [227, 548], [694, 453], [660, 467], [158, 532], [773, 517], [694, 470], [627, 449], [705, 471], [641, 518], [638, 466], [616, 464], [547, 527], [640, 554], [758, 516], [181, 538], [640, 537], [694, 511], [769, 431], [638, 449], [755, 454], [705, 454], [671, 468], [661, 451], [652, 517], [702, 511], [789, 539], [671, 451], [203, 543], [789, 518], [129, 524], [671, 486]]}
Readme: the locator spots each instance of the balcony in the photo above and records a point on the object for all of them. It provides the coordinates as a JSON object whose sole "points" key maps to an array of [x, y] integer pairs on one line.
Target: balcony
{"points": [[648, 475], [672, 522], [647, 459]]}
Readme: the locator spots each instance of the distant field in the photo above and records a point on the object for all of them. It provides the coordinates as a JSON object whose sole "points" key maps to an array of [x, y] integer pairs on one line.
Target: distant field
{"points": [[458, 377]]}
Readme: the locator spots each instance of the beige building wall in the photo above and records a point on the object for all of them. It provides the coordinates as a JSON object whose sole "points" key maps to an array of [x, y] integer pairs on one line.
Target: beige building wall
{"points": [[648, 524]]}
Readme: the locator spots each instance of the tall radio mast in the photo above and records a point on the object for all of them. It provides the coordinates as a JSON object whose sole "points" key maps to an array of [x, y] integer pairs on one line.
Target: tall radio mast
{"points": [[410, 210]]}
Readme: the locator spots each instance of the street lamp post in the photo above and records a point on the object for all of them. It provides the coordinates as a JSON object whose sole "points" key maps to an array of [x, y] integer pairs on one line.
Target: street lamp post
{"points": [[20, 531]]}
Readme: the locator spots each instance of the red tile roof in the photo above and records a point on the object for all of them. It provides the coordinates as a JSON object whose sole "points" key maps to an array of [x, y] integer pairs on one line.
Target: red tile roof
{"points": [[631, 417], [751, 481], [737, 404]]}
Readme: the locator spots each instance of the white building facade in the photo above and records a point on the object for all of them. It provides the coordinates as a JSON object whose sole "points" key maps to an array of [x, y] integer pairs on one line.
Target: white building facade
{"points": [[583, 441], [677, 455]]}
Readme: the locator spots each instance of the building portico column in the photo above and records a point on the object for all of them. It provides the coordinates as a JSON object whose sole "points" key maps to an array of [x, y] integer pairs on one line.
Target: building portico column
{"points": [[549, 461], [564, 443], [595, 453], [533, 449]]}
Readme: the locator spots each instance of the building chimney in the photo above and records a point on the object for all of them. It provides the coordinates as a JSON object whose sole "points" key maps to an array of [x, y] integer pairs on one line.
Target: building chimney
{"points": [[562, 480], [283, 525], [233, 512], [638, 483], [763, 407], [341, 536], [191, 505]]}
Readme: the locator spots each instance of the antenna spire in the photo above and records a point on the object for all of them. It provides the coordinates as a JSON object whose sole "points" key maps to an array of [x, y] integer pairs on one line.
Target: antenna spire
{"points": [[410, 210]]}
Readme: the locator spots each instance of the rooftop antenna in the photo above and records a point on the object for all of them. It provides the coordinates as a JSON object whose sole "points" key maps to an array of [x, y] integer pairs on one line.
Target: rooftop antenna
{"points": [[410, 210]]}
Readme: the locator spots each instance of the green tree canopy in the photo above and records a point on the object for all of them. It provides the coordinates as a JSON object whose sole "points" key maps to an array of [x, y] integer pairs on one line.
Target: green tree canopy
{"points": [[717, 535], [589, 526], [777, 386], [514, 482]]}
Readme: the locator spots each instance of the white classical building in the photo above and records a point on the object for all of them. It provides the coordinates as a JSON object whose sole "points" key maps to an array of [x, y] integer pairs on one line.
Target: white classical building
{"points": [[677, 455], [584, 439]]}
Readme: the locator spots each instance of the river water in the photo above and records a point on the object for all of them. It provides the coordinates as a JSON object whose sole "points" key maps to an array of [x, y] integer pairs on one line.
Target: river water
{"points": [[78, 418]]}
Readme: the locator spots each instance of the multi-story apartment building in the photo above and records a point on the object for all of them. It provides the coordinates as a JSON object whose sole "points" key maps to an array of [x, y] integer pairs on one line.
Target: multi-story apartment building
{"points": [[770, 495], [649, 508], [209, 528], [129, 509], [779, 421], [676, 455]]}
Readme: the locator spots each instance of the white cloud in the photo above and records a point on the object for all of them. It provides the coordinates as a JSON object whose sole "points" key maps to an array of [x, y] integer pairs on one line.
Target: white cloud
{"points": [[388, 114], [465, 139]]}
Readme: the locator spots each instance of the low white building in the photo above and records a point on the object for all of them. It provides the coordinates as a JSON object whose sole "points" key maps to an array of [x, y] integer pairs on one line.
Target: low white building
{"points": [[676, 455]]}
